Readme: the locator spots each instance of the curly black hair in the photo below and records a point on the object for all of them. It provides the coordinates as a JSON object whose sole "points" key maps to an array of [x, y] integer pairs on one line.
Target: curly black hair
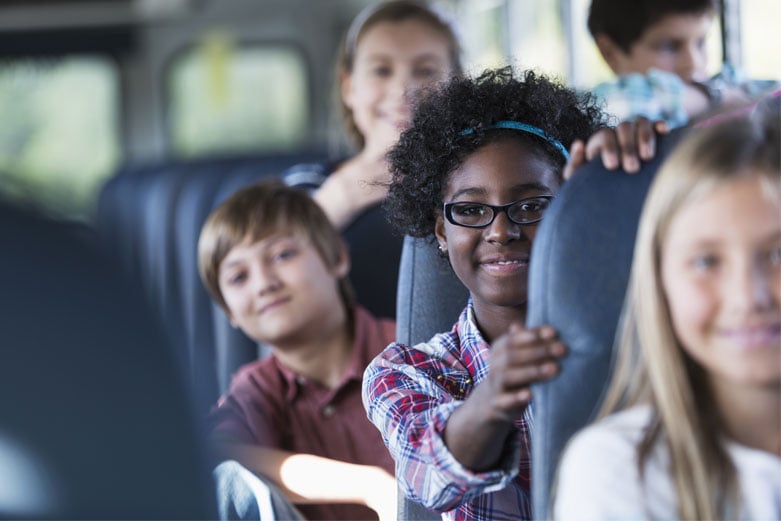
{"points": [[434, 146]]}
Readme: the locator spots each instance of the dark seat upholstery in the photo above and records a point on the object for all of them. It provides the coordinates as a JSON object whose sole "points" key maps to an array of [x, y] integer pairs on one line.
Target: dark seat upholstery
{"points": [[94, 421], [430, 298], [150, 216], [578, 276]]}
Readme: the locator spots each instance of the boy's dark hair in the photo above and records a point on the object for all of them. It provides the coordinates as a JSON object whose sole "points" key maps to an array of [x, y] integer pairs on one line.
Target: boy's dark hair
{"points": [[259, 211], [625, 21], [434, 146]]}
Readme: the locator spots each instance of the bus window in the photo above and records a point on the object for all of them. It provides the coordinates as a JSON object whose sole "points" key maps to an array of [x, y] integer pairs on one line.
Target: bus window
{"points": [[760, 42], [537, 39], [483, 30], [227, 98], [551, 37], [522, 33], [59, 131]]}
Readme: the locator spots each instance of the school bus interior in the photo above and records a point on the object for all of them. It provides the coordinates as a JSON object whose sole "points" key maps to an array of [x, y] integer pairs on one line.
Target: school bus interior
{"points": [[133, 119]]}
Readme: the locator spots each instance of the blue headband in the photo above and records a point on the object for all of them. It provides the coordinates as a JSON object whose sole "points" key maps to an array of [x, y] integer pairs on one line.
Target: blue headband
{"points": [[523, 127]]}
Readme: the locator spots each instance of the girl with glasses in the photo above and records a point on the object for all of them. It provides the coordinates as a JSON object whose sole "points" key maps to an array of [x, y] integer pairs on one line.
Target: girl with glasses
{"points": [[476, 169]]}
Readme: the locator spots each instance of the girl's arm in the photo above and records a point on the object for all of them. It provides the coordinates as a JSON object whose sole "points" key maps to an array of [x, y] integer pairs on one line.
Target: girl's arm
{"points": [[477, 432], [306, 478], [358, 183]]}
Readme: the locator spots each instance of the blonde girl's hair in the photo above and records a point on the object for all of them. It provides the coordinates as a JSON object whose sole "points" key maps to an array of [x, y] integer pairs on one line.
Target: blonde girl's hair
{"points": [[651, 366], [388, 11]]}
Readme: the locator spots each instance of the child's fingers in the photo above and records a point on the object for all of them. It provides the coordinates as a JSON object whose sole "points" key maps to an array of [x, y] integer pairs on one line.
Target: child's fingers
{"points": [[524, 354], [646, 139], [627, 144], [604, 144], [515, 378], [513, 401], [661, 127], [577, 157], [521, 334]]}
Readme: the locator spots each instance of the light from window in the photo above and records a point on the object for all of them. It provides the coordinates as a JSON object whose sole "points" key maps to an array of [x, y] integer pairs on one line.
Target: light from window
{"points": [[227, 99], [58, 133]]}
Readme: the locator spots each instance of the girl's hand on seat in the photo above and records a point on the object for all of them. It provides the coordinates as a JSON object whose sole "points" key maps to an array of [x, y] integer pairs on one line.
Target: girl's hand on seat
{"points": [[625, 145], [520, 358]]}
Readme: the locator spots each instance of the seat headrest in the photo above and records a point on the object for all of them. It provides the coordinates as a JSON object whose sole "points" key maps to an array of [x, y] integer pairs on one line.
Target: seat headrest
{"points": [[578, 276]]}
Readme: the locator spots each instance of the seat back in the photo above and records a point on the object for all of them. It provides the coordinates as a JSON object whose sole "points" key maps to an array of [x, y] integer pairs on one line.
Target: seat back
{"points": [[95, 422], [429, 300], [151, 216], [579, 271]]}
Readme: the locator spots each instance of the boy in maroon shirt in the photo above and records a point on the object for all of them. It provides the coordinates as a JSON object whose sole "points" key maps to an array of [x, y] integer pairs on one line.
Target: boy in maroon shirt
{"points": [[271, 259]]}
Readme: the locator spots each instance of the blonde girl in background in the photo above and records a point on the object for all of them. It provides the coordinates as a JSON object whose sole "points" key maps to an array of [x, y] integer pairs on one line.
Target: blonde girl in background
{"points": [[391, 52], [691, 426]]}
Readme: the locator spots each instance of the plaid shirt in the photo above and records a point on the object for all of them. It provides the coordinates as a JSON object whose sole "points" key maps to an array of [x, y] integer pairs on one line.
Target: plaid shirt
{"points": [[657, 95], [409, 394]]}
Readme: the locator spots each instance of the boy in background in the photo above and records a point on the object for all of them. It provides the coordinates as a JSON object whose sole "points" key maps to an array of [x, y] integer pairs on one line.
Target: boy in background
{"points": [[271, 259], [657, 50]]}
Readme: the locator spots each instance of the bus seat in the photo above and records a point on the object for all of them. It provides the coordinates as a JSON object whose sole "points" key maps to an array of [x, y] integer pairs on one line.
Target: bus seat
{"points": [[577, 279], [429, 300], [95, 420], [150, 216], [117, 211]]}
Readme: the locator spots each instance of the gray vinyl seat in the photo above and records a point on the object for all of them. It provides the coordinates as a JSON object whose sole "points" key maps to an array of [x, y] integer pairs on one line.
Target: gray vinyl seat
{"points": [[429, 299], [579, 271]]}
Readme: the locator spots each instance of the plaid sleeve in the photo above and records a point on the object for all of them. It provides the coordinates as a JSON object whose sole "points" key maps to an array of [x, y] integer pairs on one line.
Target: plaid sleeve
{"points": [[406, 400], [655, 95]]}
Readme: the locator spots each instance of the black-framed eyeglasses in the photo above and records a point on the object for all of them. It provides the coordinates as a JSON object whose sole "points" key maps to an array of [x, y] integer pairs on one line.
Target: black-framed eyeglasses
{"points": [[480, 215]]}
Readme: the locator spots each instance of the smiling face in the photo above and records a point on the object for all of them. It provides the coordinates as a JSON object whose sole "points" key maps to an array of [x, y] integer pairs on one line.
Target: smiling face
{"points": [[676, 44], [721, 275], [279, 289], [493, 262], [393, 61]]}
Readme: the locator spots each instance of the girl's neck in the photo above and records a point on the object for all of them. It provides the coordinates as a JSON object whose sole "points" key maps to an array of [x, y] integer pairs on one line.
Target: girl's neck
{"points": [[751, 415], [494, 321]]}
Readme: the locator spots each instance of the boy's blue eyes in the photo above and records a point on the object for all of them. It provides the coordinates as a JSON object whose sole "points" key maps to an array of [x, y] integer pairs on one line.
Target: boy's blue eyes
{"points": [[674, 46], [282, 255], [285, 254], [669, 46]]}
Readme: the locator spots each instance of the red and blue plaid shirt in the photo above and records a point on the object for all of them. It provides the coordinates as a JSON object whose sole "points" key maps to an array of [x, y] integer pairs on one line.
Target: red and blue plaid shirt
{"points": [[409, 394]]}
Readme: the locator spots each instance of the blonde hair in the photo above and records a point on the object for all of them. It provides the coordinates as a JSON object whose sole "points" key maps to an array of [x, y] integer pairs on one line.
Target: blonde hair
{"points": [[260, 211], [651, 365], [390, 11]]}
